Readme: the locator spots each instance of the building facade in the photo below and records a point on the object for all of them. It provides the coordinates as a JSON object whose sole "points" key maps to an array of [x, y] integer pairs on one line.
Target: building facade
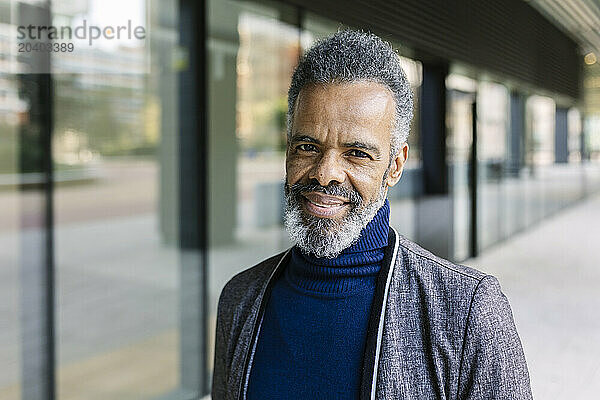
{"points": [[135, 181]]}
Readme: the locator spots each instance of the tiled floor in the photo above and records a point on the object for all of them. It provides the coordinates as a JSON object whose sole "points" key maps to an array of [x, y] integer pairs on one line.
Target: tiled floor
{"points": [[551, 276]]}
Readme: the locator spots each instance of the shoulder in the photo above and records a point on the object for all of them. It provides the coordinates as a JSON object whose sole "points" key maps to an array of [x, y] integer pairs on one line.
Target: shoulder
{"points": [[472, 295], [418, 257], [444, 287], [490, 309]]}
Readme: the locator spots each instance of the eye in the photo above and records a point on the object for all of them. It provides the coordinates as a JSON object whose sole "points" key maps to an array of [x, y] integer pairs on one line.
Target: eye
{"points": [[306, 147], [358, 153]]}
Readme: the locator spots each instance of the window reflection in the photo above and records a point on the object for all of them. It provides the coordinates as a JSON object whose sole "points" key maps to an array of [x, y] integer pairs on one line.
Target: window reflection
{"points": [[459, 122], [253, 52], [117, 280], [492, 130], [12, 113], [539, 153]]}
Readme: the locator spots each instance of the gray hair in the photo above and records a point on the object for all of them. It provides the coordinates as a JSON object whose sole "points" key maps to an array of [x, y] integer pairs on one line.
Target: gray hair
{"points": [[349, 56]]}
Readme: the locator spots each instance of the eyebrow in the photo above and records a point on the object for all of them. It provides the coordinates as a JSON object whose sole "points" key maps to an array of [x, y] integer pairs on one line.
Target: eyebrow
{"points": [[305, 138]]}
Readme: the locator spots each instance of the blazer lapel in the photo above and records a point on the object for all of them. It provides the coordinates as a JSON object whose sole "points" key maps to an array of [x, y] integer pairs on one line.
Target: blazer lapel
{"points": [[377, 319], [263, 299]]}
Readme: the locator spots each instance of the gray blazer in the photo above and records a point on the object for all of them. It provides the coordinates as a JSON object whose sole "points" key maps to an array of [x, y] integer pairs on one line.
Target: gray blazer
{"points": [[436, 331]]}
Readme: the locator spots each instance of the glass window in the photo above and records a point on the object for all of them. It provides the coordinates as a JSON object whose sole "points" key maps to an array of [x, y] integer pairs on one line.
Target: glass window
{"points": [[459, 147], [514, 178], [576, 177], [116, 199], [492, 130], [23, 211], [252, 54], [13, 204], [460, 99], [574, 123], [539, 155], [404, 196]]}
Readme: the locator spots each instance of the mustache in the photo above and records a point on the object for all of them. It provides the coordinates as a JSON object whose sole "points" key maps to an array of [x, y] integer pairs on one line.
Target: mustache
{"points": [[297, 189]]}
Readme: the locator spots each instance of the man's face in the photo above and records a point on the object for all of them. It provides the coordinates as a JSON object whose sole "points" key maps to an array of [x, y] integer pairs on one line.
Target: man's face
{"points": [[338, 157]]}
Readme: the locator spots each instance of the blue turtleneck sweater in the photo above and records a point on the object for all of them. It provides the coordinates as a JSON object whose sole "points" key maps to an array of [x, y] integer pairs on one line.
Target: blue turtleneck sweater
{"points": [[313, 334]]}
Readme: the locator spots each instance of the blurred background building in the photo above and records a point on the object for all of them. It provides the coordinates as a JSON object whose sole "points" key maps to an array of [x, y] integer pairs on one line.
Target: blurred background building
{"points": [[137, 178]]}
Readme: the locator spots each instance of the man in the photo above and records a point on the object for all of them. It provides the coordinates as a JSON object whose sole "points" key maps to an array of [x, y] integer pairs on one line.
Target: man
{"points": [[354, 310]]}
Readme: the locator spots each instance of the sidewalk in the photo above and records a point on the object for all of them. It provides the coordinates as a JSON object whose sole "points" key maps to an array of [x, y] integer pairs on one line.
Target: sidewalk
{"points": [[551, 276]]}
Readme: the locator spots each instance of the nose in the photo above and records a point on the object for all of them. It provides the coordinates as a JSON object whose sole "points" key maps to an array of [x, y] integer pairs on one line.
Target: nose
{"points": [[328, 169]]}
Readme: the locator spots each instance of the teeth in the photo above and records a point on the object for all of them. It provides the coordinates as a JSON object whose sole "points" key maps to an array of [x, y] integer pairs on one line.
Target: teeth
{"points": [[325, 205]]}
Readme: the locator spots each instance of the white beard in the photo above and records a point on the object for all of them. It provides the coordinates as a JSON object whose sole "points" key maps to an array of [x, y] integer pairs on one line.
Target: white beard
{"points": [[325, 237]]}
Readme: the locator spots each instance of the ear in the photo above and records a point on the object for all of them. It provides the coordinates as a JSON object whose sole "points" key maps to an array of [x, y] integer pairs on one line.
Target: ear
{"points": [[397, 166]]}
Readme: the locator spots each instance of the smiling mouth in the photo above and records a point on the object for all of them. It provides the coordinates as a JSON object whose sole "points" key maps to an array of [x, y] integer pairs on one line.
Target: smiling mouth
{"points": [[324, 206]]}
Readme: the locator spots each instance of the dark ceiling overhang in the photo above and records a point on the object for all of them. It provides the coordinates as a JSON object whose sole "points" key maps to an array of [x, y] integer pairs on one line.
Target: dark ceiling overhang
{"points": [[508, 37]]}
